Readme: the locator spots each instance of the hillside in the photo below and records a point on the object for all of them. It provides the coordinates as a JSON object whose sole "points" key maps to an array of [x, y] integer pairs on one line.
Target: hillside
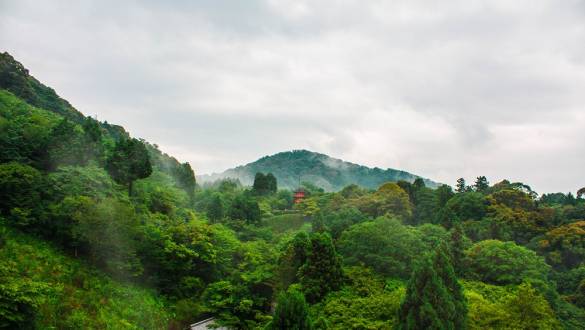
{"points": [[326, 172], [67, 293]]}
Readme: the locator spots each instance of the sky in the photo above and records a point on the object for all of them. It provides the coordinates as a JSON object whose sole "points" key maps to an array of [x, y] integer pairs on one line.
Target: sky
{"points": [[442, 89]]}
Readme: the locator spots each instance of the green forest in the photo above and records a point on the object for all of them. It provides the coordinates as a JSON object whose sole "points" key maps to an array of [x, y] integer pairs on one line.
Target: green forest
{"points": [[101, 230]]}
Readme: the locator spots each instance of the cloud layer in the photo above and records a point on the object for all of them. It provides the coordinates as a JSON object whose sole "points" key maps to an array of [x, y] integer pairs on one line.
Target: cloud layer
{"points": [[441, 89]]}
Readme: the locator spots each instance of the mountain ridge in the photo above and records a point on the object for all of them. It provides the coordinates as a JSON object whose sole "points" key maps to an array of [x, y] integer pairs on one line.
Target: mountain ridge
{"points": [[329, 173]]}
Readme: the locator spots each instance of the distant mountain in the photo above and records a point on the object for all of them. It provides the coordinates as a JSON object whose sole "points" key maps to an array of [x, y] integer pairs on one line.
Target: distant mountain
{"points": [[326, 172]]}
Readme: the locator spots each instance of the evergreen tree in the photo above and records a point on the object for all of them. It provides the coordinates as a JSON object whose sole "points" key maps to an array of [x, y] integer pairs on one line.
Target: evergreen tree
{"points": [[481, 184], [457, 248], [292, 312], [129, 162], [460, 187], [434, 298], [322, 272]]}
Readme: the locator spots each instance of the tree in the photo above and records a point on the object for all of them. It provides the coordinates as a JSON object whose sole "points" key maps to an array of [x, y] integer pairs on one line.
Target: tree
{"points": [[385, 245], [292, 312], [20, 187], [264, 184], [460, 188], [322, 272], [292, 258], [389, 198], [434, 298], [129, 162], [271, 183], [244, 207], [93, 148], [463, 207], [565, 245], [65, 146], [215, 208], [185, 178], [502, 263], [457, 249], [481, 184], [530, 310], [444, 194]]}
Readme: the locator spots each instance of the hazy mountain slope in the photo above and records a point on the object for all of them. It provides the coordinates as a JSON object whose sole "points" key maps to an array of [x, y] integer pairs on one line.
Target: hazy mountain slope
{"points": [[326, 172]]}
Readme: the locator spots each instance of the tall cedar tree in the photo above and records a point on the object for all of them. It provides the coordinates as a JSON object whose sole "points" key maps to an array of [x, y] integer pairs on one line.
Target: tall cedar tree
{"points": [[457, 248], [292, 312], [434, 298], [129, 162], [322, 272]]}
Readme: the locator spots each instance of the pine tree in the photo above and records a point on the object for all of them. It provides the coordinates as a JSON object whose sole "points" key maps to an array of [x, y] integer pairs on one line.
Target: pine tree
{"points": [[481, 184], [434, 298], [460, 187], [292, 312], [322, 272]]}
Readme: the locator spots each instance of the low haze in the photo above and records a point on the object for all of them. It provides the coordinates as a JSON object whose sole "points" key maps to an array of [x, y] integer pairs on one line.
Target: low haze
{"points": [[439, 89]]}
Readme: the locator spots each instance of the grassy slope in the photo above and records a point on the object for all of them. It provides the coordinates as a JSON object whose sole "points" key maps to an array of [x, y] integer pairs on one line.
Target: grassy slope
{"points": [[74, 296]]}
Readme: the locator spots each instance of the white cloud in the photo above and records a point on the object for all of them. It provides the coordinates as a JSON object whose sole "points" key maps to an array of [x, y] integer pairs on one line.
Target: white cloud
{"points": [[442, 89]]}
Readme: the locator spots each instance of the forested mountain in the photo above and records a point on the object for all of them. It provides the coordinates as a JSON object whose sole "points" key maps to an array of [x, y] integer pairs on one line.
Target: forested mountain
{"points": [[325, 172], [99, 230]]}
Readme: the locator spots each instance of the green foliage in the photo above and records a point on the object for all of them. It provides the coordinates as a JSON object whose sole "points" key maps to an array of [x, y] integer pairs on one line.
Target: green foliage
{"points": [[434, 298], [501, 263], [264, 184], [20, 188], [292, 312], [293, 255], [64, 146], [16, 79], [384, 244], [41, 288], [322, 271], [91, 181], [129, 162], [185, 178], [458, 244], [481, 184], [245, 207], [463, 207], [215, 209], [494, 307], [565, 245], [388, 199]]}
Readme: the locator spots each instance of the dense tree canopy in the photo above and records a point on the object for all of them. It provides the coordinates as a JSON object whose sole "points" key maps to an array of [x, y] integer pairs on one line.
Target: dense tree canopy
{"points": [[99, 230]]}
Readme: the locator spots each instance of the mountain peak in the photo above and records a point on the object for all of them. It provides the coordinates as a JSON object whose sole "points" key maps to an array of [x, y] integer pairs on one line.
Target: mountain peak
{"points": [[329, 173]]}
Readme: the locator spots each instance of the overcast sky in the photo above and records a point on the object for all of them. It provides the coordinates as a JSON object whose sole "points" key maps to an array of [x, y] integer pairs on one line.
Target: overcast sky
{"points": [[442, 89]]}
